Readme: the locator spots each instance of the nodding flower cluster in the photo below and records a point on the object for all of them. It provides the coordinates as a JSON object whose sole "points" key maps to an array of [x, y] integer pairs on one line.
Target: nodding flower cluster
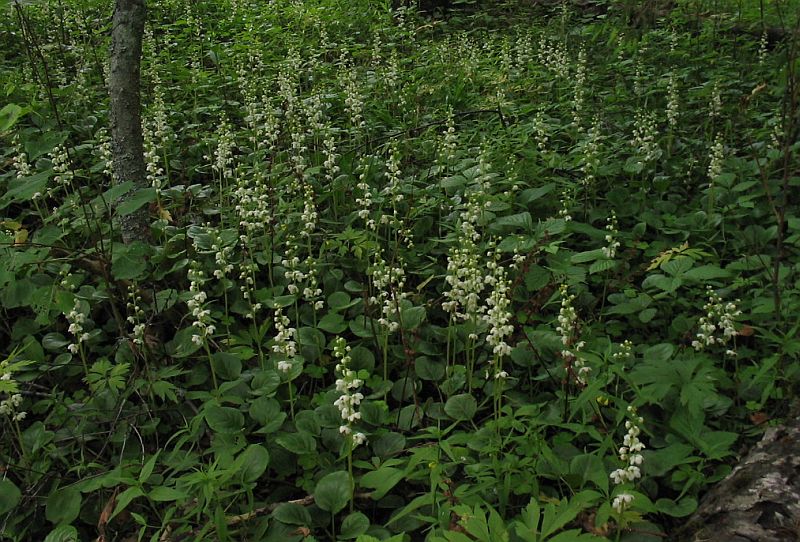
{"points": [[630, 453], [719, 317], [347, 384], [284, 346], [497, 314], [610, 250], [202, 316], [77, 318], [568, 329]]}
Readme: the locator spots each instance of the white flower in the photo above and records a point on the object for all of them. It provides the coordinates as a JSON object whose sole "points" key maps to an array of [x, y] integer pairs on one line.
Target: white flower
{"points": [[622, 502]]}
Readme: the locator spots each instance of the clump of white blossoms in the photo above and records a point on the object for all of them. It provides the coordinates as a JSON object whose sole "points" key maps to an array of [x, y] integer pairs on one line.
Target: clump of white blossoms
{"points": [[136, 314], [10, 388], [610, 250], [202, 316], [20, 159], [465, 274], [717, 326], [540, 131], [497, 314], [715, 158], [591, 153], [223, 153], [388, 282], [715, 103], [673, 102], [285, 345], [578, 99], [630, 454], [365, 201], [568, 328], [347, 384], [77, 318], [61, 166], [645, 136]]}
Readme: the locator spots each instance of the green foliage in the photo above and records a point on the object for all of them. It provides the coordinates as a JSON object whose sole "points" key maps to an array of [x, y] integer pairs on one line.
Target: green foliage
{"points": [[443, 277]]}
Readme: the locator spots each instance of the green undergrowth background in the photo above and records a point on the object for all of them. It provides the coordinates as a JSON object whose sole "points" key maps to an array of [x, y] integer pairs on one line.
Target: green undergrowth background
{"points": [[409, 276]]}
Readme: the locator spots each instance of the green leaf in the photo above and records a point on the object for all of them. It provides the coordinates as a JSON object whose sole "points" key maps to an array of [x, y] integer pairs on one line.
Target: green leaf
{"points": [[647, 315], [166, 494], [224, 420], [9, 496], [62, 533], [253, 462], [63, 505], [55, 342], [182, 345], [9, 116], [412, 317], [333, 491], [681, 509], [129, 261], [382, 480], [706, 272], [659, 353], [590, 468], [353, 525], [125, 498], [226, 365], [588, 256], [532, 194], [148, 467], [135, 201], [461, 407], [292, 514], [519, 221], [298, 443], [333, 323], [265, 382], [428, 369]]}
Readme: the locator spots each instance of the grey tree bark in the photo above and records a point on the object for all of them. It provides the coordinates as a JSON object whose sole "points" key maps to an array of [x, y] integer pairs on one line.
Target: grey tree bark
{"points": [[126, 118], [760, 500]]}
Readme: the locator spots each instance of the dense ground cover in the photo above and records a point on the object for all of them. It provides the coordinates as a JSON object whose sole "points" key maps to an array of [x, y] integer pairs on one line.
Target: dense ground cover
{"points": [[525, 272]]}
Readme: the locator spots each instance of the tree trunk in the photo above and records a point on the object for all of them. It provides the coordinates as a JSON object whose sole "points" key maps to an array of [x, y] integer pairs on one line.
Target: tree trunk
{"points": [[760, 500], [126, 118]]}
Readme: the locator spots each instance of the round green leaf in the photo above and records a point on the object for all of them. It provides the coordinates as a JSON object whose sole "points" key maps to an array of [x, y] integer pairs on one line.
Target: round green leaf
{"points": [[461, 407], [333, 491], [254, 461], [680, 509], [225, 420], [298, 443], [63, 506], [9, 496], [292, 514], [265, 382], [226, 365], [353, 525]]}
